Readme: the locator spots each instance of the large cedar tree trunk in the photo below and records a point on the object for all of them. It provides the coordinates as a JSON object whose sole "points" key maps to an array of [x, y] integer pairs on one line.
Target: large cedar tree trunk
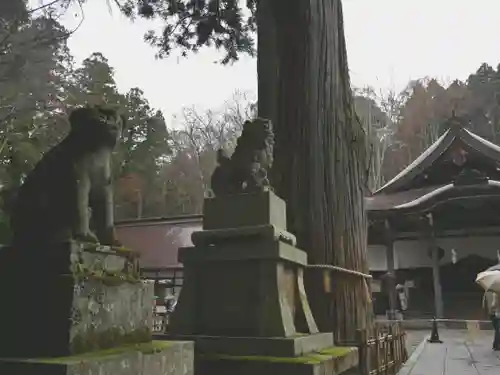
{"points": [[319, 164]]}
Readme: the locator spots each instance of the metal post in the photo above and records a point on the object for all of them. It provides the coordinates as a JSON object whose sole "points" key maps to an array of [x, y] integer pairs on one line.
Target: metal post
{"points": [[391, 274], [436, 277]]}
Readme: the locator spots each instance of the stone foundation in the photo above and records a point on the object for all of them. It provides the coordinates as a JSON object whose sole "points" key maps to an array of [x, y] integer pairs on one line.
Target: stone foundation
{"points": [[155, 358], [260, 346], [260, 321], [244, 210], [70, 298], [263, 291], [329, 361]]}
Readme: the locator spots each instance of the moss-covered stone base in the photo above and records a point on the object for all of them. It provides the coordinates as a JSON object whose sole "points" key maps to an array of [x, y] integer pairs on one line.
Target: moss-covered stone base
{"points": [[153, 358], [91, 340], [70, 298], [294, 346], [331, 361]]}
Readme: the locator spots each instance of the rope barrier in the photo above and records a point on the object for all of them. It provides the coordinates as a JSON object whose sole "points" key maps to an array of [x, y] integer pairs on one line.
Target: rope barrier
{"points": [[437, 320], [340, 269]]}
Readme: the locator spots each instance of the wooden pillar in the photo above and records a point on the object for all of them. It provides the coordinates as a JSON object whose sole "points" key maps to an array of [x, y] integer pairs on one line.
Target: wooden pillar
{"points": [[436, 277], [391, 273]]}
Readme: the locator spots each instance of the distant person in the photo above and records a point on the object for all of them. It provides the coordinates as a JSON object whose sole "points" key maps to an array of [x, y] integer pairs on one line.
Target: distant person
{"points": [[402, 298], [492, 301], [387, 285]]}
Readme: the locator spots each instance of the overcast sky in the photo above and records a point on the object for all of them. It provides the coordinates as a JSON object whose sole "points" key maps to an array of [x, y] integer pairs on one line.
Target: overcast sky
{"points": [[389, 42]]}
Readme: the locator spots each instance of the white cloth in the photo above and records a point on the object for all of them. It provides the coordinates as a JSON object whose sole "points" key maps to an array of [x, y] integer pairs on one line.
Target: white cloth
{"points": [[403, 300], [491, 301]]}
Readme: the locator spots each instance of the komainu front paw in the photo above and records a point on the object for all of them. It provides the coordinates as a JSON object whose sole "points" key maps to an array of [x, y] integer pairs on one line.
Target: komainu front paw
{"points": [[86, 237], [110, 238], [116, 243]]}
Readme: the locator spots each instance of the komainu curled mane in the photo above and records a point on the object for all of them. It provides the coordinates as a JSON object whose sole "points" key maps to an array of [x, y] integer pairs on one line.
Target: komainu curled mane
{"points": [[246, 170], [69, 190]]}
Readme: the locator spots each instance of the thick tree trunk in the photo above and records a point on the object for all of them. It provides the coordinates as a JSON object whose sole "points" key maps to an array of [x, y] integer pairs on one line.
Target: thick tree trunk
{"points": [[267, 62], [319, 152]]}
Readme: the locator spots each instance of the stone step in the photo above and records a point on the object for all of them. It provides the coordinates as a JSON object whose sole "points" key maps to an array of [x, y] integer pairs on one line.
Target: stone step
{"points": [[332, 361], [154, 358]]}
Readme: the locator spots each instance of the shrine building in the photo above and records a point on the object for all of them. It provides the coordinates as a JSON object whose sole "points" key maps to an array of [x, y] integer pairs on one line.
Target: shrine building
{"points": [[436, 225]]}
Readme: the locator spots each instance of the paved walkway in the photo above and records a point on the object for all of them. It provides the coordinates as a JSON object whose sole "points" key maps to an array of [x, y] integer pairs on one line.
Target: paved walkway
{"points": [[414, 338], [461, 353]]}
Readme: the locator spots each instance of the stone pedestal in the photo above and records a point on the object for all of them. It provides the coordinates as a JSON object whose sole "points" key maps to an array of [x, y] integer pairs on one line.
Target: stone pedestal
{"points": [[154, 358], [330, 361], [70, 305], [254, 289], [70, 299], [244, 210], [243, 300]]}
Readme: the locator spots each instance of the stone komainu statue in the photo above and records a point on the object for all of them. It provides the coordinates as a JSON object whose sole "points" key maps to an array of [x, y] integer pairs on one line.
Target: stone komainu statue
{"points": [[70, 189], [246, 170]]}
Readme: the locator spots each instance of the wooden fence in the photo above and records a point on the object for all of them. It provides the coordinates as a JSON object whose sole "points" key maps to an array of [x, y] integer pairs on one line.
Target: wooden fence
{"points": [[382, 350], [160, 323]]}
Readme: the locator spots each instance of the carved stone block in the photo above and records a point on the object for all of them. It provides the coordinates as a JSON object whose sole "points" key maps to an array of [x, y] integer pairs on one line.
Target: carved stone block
{"points": [[70, 299], [260, 321], [240, 210]]}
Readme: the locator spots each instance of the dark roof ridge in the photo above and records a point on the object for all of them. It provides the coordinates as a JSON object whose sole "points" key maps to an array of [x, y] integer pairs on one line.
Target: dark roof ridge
{"points": [[427, 200], [455, 130]]}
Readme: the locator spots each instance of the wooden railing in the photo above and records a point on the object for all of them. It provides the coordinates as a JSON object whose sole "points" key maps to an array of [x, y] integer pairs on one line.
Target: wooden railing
{"points": [[382, 350]]}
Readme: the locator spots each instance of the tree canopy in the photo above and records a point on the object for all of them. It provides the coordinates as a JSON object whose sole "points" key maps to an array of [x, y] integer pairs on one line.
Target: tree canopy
{"points": [[228, 25], [154, 168]]}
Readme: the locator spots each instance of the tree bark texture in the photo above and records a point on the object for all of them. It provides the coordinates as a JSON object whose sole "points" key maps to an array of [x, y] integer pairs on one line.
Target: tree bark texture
{"points": [[267, 62], [320, 158]]}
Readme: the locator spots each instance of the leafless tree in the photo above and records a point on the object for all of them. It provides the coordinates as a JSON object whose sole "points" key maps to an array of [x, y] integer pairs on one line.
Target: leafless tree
{"points": [[198, 134], [379, 113]]}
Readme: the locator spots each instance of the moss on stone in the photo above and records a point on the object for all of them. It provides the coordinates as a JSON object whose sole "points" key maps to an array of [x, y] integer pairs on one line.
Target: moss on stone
{"points": [[337, 351], [143, 334], [309, 359], [92, 340], [148, 348], [122, 249], [108, 278], [129, 274], [313, 359], [115, 278]]}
